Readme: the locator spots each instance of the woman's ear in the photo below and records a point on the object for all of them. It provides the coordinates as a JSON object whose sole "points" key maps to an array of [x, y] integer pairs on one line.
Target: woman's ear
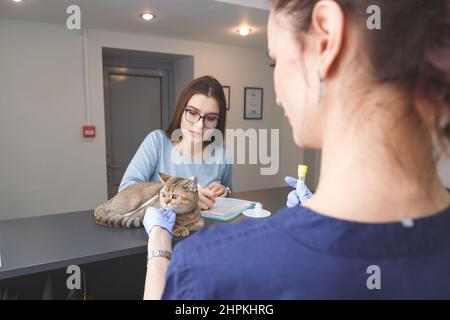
{"points": [[164, 177], [327, 23], [191, 184]]}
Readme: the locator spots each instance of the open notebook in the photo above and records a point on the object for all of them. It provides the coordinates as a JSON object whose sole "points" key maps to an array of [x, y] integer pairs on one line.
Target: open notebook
{"points": [[227, 208]]}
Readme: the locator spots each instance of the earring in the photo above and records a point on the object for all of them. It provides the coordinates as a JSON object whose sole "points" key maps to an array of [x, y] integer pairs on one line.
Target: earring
{"points": [[320, 94]]}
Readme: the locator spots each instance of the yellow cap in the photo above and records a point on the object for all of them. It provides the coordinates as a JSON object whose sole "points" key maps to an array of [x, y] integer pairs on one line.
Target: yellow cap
{"points": [[302, 171]]}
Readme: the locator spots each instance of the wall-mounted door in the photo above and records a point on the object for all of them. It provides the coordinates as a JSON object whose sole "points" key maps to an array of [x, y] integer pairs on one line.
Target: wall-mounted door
{"points": [[135, 104]]}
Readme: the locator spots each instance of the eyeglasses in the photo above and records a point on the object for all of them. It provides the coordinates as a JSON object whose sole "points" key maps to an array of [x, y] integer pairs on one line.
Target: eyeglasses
{"points": [[210, 121]]}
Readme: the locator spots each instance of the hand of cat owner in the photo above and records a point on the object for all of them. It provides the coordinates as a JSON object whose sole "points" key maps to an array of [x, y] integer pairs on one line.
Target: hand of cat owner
{"points": [[206, 198], [218, 189], [164, 218]]}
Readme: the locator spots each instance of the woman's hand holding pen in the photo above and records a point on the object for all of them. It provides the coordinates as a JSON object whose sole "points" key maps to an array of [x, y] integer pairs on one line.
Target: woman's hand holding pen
{"points": [[218, 189], [206, 198]]}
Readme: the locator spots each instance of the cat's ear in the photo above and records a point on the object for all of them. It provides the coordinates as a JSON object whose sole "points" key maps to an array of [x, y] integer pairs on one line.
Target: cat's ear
{"points": [[191, 184], [164, 177]]}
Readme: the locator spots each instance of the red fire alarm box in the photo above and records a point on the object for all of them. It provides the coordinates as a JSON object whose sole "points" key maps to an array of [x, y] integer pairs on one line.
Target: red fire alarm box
{"points": [[89, 131]]}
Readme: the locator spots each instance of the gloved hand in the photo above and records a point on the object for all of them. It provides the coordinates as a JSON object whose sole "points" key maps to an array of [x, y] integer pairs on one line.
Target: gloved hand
{"points": [[299, 195], [164, 218]]}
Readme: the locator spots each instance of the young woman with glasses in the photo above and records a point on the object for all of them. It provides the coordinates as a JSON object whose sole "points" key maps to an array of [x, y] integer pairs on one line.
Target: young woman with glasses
{"points": [[180, 150]]}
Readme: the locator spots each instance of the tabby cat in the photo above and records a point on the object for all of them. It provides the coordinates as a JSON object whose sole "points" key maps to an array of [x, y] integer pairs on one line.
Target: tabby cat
{"points": [[178, 194]]}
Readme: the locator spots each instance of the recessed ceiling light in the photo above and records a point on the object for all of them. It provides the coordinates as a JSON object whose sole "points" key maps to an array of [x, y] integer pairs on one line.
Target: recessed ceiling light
{"points": [[147, 16], [244, 31], [17, 0]]}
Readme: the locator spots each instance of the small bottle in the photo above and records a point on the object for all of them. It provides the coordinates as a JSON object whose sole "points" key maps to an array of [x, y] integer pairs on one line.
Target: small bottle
{"points": [[302, 171], [304, 194]]}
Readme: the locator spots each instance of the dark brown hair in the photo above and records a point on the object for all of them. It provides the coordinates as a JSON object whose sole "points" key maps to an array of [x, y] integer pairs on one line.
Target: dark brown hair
{"points": [[411, 51], [208, 86]]}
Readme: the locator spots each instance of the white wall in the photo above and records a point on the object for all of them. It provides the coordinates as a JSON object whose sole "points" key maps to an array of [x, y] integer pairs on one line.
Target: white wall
{"points": [[46, 166]]}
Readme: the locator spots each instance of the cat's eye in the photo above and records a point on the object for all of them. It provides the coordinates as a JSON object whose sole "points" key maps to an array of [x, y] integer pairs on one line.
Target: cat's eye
{"points": [[163, 195], [175, 196]]}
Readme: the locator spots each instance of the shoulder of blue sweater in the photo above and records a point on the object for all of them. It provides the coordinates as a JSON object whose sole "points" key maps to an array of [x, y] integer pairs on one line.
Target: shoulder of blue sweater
{"points": [[156, 135]]}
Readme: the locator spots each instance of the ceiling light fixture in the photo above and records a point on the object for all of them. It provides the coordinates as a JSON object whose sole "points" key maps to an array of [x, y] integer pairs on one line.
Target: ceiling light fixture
{"points": [[147, 16], [244, 31], [17, 0]]}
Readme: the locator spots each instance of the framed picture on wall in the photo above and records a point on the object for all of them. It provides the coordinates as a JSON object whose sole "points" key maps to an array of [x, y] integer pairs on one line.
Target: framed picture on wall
{"points": [[226, 90], [253, 103]]}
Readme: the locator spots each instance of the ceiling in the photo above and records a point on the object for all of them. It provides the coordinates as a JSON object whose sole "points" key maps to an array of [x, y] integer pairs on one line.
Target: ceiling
{"points": [[199, 20]]}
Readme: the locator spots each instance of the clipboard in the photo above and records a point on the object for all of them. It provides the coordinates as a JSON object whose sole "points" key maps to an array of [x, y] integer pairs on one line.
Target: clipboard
{"points": [[226, 209]]}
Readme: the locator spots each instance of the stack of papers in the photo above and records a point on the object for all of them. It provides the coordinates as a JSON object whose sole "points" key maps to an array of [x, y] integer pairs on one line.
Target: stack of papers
{"points": [[227, 208]]}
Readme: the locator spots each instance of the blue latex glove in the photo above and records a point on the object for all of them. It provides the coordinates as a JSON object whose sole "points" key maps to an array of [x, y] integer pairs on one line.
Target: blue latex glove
{"points": [[299, 195], [164, 218]]}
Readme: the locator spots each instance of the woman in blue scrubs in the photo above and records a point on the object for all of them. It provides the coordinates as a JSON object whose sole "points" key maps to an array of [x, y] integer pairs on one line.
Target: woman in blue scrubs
{"points": [[373, 100], [180, 150]]}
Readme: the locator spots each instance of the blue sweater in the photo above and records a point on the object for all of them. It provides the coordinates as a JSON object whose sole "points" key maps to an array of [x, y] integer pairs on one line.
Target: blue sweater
{"points": [[301, 254], [155, 155]]}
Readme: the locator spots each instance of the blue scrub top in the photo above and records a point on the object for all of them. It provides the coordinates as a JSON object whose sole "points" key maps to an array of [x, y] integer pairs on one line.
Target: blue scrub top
{"points": [[301, 254]]}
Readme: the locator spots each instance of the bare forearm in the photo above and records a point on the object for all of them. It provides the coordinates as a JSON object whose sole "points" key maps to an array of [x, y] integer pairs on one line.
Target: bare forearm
{"points": [[159, 239]]}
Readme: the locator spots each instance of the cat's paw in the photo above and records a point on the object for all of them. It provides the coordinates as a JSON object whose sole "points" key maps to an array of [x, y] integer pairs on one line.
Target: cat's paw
{"points": [[180, 232]]}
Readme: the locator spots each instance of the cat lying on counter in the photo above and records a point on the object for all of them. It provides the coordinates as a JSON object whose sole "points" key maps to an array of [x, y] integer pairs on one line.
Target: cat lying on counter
{"points": [[178, 194]]}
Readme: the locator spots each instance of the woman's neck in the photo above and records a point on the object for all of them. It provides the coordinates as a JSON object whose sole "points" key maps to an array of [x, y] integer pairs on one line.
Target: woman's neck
{"points": [[381, 170], [190, 150]]}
